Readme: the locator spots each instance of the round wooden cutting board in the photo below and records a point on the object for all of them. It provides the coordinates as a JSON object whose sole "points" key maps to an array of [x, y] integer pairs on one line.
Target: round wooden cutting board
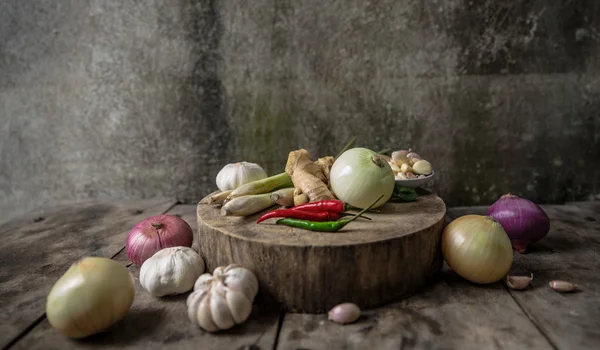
{"points": [[370, 263]]}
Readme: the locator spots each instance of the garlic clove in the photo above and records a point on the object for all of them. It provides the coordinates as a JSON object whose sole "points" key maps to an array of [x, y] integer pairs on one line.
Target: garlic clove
{"points": [[244, 280], [405, 168], [203, 282], [400, 176], [399, 157], [394, 167], [410, 175], [205, 317], [422, 167], [344, 313], [563, 286], [518, 282], [221, 315], [239, 305], [412, 155], [192, 302]]}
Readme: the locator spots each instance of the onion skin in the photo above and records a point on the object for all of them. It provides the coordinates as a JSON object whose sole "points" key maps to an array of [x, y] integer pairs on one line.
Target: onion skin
{"points": [[524, 221], [92, 295], [155, 233], [477, 249]]}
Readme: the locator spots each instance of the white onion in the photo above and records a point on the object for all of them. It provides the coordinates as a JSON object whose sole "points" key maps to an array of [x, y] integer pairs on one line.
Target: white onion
{"points": [[359, 176]]}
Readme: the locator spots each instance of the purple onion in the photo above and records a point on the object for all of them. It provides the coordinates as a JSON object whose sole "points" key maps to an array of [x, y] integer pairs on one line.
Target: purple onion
{"points": [[155, 233], [524, 221]]}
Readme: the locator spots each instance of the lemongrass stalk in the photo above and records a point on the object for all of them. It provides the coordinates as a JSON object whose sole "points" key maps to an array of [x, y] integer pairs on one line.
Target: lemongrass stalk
{"points": [[207, 199], [284, 197], [219, 198], [247, 205], [262, 186]]}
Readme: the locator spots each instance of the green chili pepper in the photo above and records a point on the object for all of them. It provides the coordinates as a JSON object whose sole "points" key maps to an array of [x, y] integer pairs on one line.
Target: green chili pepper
{"points": [[324, 226]]}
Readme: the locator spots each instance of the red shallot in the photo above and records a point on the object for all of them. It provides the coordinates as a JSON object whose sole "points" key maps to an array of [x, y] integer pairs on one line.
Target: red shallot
{"points": [[524, 221], [155, 233]]}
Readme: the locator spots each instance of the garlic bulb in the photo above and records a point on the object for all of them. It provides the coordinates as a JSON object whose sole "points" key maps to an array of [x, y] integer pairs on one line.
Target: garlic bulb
{"points": [[234, 175], [171, 271], [223, 299]]}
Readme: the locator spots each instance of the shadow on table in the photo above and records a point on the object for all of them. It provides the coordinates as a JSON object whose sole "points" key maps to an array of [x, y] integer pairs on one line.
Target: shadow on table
{"points": [[137, 324]]}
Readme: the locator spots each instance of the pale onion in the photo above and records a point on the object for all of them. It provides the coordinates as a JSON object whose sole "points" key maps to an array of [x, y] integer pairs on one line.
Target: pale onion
{"points": [[234, 175], [359, 176], [477, 248], [92, 295]]}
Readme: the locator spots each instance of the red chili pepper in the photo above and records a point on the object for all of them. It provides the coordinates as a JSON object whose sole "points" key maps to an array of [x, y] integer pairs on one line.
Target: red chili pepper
{"points": [[297, 214], [329, 205]]}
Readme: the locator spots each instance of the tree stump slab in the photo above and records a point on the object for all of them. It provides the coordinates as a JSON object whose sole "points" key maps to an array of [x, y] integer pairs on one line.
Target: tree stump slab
{"points": [[370, 263]]}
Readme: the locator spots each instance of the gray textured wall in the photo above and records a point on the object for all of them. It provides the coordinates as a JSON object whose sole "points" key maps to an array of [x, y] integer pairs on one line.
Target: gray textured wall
{"points": [[148, 98]]}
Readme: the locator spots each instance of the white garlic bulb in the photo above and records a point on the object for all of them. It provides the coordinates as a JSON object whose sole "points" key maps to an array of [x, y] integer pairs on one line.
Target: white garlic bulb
{"points": [[171, 271], [234, 175], [223, 299]]}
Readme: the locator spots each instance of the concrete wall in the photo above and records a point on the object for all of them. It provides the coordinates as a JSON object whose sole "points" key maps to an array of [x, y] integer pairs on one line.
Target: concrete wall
{"points": [[115, 99]]}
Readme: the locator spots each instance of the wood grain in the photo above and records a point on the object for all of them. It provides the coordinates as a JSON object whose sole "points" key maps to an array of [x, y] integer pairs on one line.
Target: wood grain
{"points": [[36, 249], [158, 323], [367, 262], [453, 314], [570, 251]]}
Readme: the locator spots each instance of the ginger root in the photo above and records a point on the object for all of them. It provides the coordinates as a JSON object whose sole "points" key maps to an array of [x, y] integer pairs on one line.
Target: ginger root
{"points": [[311, 179]]}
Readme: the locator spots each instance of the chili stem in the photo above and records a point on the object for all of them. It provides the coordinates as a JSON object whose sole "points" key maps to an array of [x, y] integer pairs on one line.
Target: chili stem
{"points": [[362, 212], [350, 214]]}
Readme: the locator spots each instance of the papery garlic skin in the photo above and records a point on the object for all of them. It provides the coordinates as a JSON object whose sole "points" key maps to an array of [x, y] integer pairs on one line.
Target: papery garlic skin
{"points": [[234, 175], [223, 299], [171, 271]]}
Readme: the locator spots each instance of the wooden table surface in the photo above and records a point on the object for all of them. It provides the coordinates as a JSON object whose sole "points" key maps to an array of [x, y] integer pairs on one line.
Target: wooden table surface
{"points": [[36, 249]]}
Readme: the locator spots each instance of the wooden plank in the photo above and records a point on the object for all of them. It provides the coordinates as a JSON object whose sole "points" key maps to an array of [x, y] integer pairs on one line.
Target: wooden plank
{"points": [[37, 248], [570, 251], [158, 323], [452, 314]]}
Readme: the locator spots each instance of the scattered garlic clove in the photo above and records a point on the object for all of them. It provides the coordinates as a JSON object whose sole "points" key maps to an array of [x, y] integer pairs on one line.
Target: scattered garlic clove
{"points": [[344, 313], [518, 282], [563, 286], [399, 157], [422, 167], [410, 175]]}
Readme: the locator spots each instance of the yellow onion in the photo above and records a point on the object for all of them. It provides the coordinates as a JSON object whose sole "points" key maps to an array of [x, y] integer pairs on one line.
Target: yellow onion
{"points": [[94, 294], [477, 248]]}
